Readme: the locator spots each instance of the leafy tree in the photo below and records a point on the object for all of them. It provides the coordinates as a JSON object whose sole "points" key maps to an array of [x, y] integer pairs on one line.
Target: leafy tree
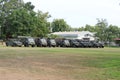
{"points": [[112, 33], [60, 25], [41, 27], [21, 22], [73, 29], [53, 36], [18, 18], [6, 9], [28, 6], [100, 28], [81, 29], [89, 28]]}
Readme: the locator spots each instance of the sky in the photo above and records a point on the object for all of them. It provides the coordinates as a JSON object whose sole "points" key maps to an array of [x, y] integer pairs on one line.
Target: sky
{"points": [[78, 13]]}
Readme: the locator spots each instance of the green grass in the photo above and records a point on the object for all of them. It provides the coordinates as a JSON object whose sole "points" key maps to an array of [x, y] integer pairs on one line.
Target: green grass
{"points": [[72, 63]]}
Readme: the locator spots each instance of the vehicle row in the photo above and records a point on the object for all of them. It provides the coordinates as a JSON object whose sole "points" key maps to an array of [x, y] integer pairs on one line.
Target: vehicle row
{"points": [[50, 42]]}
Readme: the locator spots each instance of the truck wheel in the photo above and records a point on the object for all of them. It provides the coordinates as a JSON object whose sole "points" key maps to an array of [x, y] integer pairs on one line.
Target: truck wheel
{"points": [[33, 45]]}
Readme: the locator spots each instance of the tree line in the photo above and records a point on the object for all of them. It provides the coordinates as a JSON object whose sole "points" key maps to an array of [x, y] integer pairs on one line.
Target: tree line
{"points": [[103, 31], [19, 19]]}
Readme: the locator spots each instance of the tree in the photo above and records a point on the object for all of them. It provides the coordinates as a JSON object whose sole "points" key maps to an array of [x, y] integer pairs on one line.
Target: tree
{"points": [[112, 33], [6, 9], [81, 29], [20, 19], [21, 22], [89, 28], [60, 25], [41, 27], [101, 27]]}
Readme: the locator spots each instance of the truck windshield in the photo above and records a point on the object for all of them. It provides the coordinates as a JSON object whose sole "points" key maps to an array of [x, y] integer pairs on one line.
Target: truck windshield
{"points": [[30, 39]]}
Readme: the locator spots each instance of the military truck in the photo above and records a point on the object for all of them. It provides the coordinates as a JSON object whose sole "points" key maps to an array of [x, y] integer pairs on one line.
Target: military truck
{"points": [[97, 44], [73, 43], [86, 44], [13, 43], [101, 45], [65, 43], [41, 42], [51, 42], [62, 42], [27, 41]]}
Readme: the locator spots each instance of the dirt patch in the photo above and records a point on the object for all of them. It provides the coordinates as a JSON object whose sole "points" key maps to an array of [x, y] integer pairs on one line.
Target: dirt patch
{"points": [[17, 74]]}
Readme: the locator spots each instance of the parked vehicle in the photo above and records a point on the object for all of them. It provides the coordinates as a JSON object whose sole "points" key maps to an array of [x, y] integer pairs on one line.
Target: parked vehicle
{"points": [[27, 41], [41, 42], [90, 44], [86, 44], [13, 43], [65, 43], [74, 43], [101, 45], [58, 41], [51, 42], [95, 44]]}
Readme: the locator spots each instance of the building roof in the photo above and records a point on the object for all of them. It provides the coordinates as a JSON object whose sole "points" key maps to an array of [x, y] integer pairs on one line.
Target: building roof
{"points": [[74, 33]]}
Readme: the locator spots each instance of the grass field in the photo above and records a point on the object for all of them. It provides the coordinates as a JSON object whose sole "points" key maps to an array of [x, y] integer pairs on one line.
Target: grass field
{"points": [[22, 63]]}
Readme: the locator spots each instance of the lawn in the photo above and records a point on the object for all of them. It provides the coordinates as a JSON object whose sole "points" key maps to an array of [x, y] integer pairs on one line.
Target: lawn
{"points": [[20, 63]]}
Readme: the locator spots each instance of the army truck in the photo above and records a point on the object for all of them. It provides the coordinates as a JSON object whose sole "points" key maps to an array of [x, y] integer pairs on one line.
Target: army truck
{"points": [[51, 42], [73, 43], [65, 43], [27, 41], [62, 42], [41, 42], [97, 44], [101, 45], [13, 43], [86, 44]]}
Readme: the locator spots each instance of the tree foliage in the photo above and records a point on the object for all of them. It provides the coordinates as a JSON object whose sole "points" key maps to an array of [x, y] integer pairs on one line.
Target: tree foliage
{"points": [[41, 27], [101, 27], [18, 18], [60, 25], [103, 31], [6, 9]]}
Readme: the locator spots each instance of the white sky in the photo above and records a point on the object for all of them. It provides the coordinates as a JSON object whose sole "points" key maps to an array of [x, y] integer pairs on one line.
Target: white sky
{"points": [[78, 13]]}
